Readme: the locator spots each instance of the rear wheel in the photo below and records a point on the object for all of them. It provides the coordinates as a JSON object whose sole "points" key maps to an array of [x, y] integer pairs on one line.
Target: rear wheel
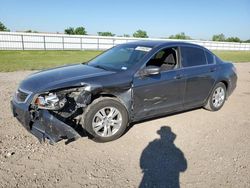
{"points": [[217, 98], [105, 119]]}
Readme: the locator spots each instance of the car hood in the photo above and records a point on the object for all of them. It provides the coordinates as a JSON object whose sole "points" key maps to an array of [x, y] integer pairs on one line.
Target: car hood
{"points": [[61, 77]]}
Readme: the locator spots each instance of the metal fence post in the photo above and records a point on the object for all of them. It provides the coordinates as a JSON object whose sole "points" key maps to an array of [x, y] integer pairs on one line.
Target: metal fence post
{"points": [[63, 42], [22, 42], [98, 47], [81, 42], [44, 43]]}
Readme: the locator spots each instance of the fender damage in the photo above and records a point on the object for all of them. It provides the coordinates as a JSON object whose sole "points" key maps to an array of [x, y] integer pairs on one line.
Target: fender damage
{"points": [[65, 121]]}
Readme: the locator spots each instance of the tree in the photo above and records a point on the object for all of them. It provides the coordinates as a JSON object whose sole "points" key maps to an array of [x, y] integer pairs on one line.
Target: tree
{"points": [[233, 39], [248, 41], [219, 37], [80, 31], [75, 31], [140, 34], [106, 33], [3, 28], [30, 31], [181, 35], [69, 31], [126, 35]]}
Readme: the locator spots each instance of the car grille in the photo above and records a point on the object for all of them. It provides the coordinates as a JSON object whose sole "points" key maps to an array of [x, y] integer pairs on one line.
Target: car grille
{"points": [[22, 96]]}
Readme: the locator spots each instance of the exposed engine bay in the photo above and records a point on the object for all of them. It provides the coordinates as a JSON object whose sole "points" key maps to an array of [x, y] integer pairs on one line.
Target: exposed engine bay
{"points": [[51, 111]]}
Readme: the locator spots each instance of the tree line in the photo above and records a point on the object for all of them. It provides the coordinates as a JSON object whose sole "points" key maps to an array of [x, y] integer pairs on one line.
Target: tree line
{"points": [[137, 34], [82, 31]]}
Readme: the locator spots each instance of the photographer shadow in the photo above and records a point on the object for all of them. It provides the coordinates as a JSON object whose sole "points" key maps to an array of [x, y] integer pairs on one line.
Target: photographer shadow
{"points": [[161, 161]]}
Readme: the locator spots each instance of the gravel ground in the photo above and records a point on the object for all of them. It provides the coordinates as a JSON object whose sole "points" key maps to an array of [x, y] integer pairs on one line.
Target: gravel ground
{"points": [[197, 148]]}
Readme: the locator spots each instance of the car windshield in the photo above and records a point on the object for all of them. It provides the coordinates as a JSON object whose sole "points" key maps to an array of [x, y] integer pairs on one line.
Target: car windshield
{"points": [[121, 57]]}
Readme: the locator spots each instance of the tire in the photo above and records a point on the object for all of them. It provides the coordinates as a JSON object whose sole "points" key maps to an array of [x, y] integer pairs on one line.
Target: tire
{"points": [[217, 97], [105, 119]]}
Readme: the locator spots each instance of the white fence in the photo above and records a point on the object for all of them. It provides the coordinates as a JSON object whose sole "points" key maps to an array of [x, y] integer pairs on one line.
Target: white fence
{"points": [[41, 41]]}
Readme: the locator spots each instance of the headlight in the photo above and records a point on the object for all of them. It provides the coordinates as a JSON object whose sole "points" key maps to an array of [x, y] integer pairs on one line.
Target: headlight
{"points": [[49, 101]]}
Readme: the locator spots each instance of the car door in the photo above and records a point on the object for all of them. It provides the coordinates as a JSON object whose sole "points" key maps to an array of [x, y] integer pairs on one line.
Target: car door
{"points": [[200, 76], [158, 94]]}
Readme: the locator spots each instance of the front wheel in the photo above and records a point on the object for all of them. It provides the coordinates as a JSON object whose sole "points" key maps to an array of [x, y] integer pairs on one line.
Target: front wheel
{"points": [[105, 119], [217, 98]]}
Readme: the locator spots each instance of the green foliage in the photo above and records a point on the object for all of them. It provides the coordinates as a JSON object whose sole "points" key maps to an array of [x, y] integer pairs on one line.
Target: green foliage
{"points": [[69, 31], [126, 35], [233, 39], [219, 37], [75, 31], [181, 35], [140, 34], [248, 41], [3, 27], [30, 31], [106, 33], [80, 31]]}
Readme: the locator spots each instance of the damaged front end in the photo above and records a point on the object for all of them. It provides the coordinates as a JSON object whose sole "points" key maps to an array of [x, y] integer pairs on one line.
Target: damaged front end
{"points": [[49, 127], [53, 115]]}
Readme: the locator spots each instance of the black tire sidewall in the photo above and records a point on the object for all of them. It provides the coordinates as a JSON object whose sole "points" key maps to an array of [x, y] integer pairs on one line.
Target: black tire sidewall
{"points": [[93, 109], [213, 108]]}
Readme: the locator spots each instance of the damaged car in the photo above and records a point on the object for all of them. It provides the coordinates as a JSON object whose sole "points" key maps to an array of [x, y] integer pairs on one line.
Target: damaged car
{"points": [[127, 83]]}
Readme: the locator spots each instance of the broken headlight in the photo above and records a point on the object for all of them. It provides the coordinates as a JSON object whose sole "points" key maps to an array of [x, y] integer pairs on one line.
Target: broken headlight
{"points": [[49, 101]]}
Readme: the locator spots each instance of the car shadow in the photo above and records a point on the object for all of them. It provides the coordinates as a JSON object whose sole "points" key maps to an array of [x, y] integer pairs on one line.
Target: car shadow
{"points": [[83, 133], [162, 162], [132, 124]]}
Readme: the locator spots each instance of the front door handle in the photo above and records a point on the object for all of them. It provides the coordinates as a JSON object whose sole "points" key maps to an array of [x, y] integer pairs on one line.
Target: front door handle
{"points": [[213, 69], [178, 76]]}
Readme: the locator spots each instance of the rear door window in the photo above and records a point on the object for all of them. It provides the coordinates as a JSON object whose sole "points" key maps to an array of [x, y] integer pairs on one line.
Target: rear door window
{"points": [[192, 57], [210, 58]]}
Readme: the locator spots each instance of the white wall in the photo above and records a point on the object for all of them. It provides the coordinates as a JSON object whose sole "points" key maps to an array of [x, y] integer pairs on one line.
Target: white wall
{"points": [[41, 41]]}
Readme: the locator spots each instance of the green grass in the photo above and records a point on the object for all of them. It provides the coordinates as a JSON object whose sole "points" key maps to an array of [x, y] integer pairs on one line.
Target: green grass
{"points": [[234, 56], [36, 60]]}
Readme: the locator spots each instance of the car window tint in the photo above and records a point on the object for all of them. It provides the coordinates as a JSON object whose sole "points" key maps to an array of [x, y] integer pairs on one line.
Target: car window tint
{"points": [[166, 59], [210, 58], [192, 57]]}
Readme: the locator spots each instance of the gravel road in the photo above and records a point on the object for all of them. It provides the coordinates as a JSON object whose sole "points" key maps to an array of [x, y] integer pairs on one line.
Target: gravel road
{"points": [[197, 148]]}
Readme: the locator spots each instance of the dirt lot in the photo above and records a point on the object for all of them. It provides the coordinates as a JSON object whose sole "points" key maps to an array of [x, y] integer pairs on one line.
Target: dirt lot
{"points": [[191, 149]]}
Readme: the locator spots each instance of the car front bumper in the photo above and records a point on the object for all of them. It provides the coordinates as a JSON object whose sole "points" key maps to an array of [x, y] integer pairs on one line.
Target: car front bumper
{"points": [[46, 126]]}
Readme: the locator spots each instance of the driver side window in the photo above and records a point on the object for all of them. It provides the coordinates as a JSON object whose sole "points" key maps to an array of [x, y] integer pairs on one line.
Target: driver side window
{"points": [[166, 59]]}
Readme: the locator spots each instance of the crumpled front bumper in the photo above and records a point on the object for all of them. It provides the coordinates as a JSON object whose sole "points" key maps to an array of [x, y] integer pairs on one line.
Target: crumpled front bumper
{"points": [[46, 126]]}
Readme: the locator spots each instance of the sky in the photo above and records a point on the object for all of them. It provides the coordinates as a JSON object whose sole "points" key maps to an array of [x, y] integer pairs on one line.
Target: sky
{"points": [[160, 18]]}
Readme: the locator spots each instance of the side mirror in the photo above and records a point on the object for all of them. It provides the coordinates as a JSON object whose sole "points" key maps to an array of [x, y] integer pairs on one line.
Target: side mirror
{"points": [[150, 70]]}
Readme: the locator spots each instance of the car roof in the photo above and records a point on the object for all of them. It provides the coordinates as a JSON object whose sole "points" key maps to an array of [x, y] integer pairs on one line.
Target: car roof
{"points": [[156, 43]]}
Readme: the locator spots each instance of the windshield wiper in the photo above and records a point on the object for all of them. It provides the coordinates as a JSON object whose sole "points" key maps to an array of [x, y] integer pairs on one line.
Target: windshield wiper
{"points": [[101, 67]]}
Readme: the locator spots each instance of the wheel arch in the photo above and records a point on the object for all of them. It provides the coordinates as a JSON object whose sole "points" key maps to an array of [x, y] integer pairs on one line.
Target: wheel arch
{"points": [[125, 98], [225, 82]]}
